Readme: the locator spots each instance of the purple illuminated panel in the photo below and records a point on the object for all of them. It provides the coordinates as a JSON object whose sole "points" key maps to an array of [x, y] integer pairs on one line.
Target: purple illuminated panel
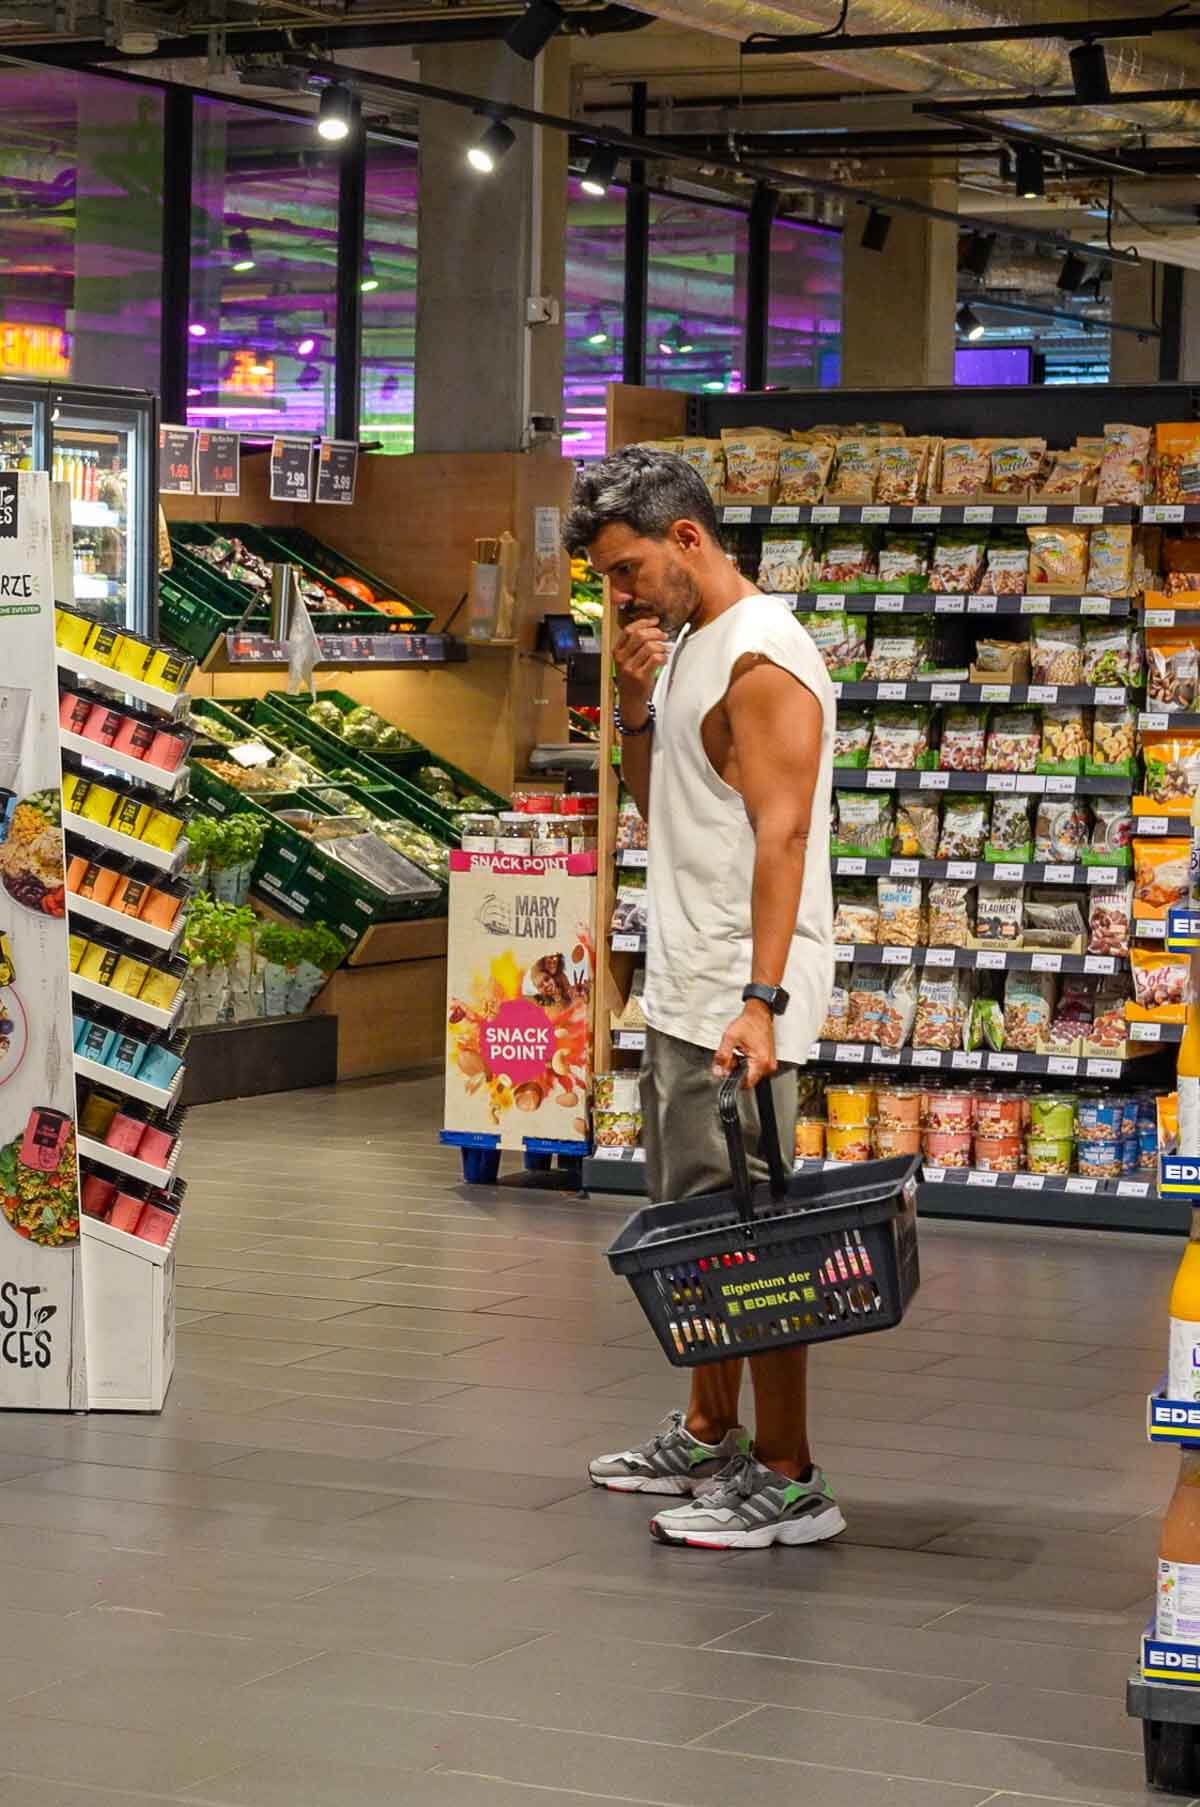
{"points": [[987, 365]]}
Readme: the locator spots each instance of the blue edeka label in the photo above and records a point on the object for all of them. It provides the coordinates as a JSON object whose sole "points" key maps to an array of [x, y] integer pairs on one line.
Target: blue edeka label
{"points": [[1165, 1660], [1179, 1175]]}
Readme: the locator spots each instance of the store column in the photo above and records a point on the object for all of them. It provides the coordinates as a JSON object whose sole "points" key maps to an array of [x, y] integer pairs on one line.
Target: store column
{"points": [[1134, 360], [898, 302], [487, 245]]}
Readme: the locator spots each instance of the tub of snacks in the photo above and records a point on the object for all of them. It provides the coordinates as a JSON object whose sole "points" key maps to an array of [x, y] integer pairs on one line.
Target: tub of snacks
{"points": [[998, 1154], [949, 1113], [848, 1143], [947, 1148], [1048, 1154], [849, 1106]]}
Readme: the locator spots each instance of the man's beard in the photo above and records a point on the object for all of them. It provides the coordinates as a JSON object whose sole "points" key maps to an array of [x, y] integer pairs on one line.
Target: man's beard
{"points": [[681, 597]]}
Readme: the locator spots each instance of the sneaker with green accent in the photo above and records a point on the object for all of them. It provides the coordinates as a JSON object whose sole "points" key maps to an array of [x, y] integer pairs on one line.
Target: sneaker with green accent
{"points": [[671, 1462], [749, 1507]]}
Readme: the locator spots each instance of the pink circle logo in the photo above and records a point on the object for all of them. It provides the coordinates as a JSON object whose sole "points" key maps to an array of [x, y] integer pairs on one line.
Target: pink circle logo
{"points": [[518, 1041]]}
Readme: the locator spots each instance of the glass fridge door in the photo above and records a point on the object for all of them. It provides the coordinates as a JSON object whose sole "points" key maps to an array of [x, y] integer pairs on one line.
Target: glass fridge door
{"points": [[100, 450], [20, 432]]}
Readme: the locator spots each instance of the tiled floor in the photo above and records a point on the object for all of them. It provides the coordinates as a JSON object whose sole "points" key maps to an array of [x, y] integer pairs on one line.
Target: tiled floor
{"points": [[356, 1561]]}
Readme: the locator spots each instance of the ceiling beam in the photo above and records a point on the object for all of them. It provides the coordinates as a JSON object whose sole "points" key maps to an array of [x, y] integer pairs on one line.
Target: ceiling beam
{"points": [[1080, 31]]}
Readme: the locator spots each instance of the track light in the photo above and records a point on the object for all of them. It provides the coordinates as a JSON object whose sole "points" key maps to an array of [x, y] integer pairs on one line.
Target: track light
{"points": [[1089, 73], [975, 254], [241, 251], [602, 167], [529, 35], [676, 341], [198, 329], [597, 332], [369, 281], [1031, 172], [1073, 273], [306, 346], [875, 232], [969, 325], [496, 143], [309, 377], [335, 115]]}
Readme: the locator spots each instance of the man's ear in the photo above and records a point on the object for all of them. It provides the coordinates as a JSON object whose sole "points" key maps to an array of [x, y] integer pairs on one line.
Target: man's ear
{"points": [[687, 535]]}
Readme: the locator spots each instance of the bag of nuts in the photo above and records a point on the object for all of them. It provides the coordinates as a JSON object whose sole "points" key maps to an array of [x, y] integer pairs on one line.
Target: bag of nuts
{"points": [[1111, 842], [1110, 913]]}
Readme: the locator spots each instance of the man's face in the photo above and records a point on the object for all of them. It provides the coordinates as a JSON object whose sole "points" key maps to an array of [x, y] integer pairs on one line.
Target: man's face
{"points": [[650, 577]]}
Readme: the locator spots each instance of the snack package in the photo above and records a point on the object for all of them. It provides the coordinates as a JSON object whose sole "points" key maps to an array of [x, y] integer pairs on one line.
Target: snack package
{"points": [[998, 914], [851, 739], [1000, 662], [1173, 669], [966, 467], [1006, 570], [943, 1000], [1058, 561], [1166, 1117], [854, 471], [900, 741], [1028, 1009], [956, 564], [1160, 877], [1108, 1033], [1110, 561], [629, 908], [900, 470], [1056, 651], [1065, 741], [836, 1027], [896, 1024], [985, 1026], [901, 912], [804, 468], [1061, 830], [1172, 763], [1011, 835], [1107, 652], [1114, 742], [1013, 741], [864, 826], [964, 828], [846, 561], [631, 824], [868, 1002], [898, 651], [1072, 1019], [1177, 447], [951, 918], [1111, 841], [785, 566], [1180, 554], [903, 563], [751, 463], [1160, 984], [917, 828], [1015, 465], [1069, 474], [1125, 464], [707, 459], [964, 739], [1053, 919], [841, 640], [855, 915]]}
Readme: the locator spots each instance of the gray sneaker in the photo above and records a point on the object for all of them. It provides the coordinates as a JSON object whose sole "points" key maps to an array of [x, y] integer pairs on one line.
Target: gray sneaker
{"points": [[748, 1507], [671, 1462]]}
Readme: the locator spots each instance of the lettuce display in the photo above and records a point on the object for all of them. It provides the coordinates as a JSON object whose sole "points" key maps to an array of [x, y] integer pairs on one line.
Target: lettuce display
{"points": [[361, 727]]}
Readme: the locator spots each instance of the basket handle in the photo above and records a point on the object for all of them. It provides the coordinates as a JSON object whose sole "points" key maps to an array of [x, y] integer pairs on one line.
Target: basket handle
{"points": [[731, 1123]]}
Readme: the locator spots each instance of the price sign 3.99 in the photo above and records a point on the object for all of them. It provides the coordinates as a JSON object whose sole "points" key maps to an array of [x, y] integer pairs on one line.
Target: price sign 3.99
{"points": [[291, 470], [337, 470]]}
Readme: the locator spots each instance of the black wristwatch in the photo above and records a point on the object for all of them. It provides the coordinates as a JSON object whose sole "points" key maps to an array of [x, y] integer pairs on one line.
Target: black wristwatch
{"points": [[773, 996]]}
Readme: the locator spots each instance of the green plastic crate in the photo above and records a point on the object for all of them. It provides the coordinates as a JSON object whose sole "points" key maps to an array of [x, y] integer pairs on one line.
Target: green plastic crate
{"points": [[375, 801], [197, 574], [327, 565]]}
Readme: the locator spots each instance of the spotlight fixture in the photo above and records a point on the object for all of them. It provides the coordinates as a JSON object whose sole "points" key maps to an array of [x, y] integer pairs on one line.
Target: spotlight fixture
{"points": [[675, 341], [529, 35], [1073, 273], [198, 330], [241, 251], [1089, 74], [1031, 172], [496, 143], [602, 167], [597, 332], [975, 253], [875, 232], [335, 115], [306, 346], [968, 323]]}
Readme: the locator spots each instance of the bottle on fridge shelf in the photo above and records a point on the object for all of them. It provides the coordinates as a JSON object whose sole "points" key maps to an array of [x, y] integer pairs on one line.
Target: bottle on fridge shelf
{"points": [[1183, 1374], [1187, 1074], [1177, 1613]]}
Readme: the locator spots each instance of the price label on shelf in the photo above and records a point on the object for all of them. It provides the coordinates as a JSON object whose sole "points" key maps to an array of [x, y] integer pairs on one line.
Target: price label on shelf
{"points": [[1086, 515], [837, 689], [1031, 514], [979, 512], [979, 1176], [960, 870], [995, 693], [736, 517], [633, 1041], [627, 944], [927, 512], [852, 868], [933, 1176], [1095, 605], [1035, 605], [1002, 1063], [939, 956], [1151, 931], [1031, 784], [843, 951], [876, 511], [1059, 786], [1065, 1065], [1153, 724], [1165, 513], [825, 511], [250, 753], [1133, 1188], [945, 693], [887, 604], [177, 461], [987, 961], [892, 693], [905, 868], [1109, 697], [1143, 825], [897, 956], [1059, 875], [935, 781], [218, 464], [881, 781], [636, 859], [784, 516], [983, 605], [1079, 1183], [1042, 693], [1028, 1182], [926, 1057], [337, 470], [963, 1062], [1045, 963], [831, 604], [1099, 963], [949, 605], [291, 470], [1001, 781], [885, 1057], [1102, 875], [1145, 1032], [1104, 1069], [854, 1052]]}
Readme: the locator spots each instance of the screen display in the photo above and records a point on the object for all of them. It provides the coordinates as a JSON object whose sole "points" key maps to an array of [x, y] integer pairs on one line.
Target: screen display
{"points": [[991, 364]]}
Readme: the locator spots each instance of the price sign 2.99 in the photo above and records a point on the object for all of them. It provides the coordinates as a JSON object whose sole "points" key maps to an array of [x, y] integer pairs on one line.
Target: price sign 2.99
{"points": [[291, 470]]}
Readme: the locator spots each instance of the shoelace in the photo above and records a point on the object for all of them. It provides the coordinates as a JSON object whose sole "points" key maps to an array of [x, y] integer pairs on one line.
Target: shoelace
{"points": [[735, 1480], [674, 1423]]}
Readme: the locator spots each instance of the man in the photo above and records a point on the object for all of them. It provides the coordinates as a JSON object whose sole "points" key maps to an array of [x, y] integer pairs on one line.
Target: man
{"points": [[727, 747]]}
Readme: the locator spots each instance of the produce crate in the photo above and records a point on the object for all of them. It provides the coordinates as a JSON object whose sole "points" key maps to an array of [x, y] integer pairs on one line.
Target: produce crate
{"points": [[379, 805], [326, 753], [290, 711], [229, 599], [324, 563]]}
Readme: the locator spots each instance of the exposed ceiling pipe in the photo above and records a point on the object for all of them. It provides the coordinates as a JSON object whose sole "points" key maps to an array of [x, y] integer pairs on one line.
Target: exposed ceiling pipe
{"points": [[1082, 31]]}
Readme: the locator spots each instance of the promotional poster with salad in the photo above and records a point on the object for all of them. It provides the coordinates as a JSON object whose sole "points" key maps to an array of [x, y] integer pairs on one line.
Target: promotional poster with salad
{"points": [[39, 1184]]}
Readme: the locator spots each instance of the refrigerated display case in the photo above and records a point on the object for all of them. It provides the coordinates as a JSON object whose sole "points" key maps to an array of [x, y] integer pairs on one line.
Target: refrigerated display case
{"points": [[103, 444]]}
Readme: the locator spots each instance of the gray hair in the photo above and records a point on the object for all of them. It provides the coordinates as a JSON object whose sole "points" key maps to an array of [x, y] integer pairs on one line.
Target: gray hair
{"points": [[643, 490]]}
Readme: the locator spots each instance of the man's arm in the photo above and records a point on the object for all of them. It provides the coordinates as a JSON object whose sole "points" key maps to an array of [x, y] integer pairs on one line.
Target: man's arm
{"points": [[775, 723], [640, 652]]}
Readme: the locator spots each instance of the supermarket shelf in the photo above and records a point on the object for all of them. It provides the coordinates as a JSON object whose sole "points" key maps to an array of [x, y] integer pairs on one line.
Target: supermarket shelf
{"points": [[239, 650], [129, 1164], [161, 701], [615, 1170], [102, 836], [1159, 722], [108, 759], [968, 871], [1164, 513], [1026, 783], [933, 514], [121, 1002], [1158, 825], [94, 514], [938, 690], [935, 602], [1161, 617], [164, 1098], [1081, 1185], [980, 959], [155, 1253], [164, 940], [1114, 1205], [1155, 1032], [1056, 1066]]}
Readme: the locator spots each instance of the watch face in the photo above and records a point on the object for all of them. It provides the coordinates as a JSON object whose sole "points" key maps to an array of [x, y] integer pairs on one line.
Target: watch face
{"points": [[782, 999]]}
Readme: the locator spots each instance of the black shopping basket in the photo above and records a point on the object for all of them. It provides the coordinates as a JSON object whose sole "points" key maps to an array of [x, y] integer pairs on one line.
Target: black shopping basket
{"points": [[803, 1258]]}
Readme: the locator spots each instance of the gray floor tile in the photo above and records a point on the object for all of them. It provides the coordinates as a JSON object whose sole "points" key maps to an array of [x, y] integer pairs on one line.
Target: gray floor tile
{"points": [[1057, 1718]]}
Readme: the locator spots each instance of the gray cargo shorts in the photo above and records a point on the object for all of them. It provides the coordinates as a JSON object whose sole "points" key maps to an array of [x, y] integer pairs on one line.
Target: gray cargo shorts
{"points": [[684, 1141]]}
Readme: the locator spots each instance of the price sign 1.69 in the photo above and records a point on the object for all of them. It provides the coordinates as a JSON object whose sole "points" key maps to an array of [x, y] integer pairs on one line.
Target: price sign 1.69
{"points": [[177, 461]]}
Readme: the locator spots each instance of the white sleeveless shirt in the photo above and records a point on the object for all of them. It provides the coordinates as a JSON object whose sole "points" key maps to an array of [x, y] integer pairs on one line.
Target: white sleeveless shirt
{"points": [[701, 865]]}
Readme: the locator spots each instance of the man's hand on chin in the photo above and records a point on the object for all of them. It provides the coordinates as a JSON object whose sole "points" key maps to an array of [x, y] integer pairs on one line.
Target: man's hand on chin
{"points": [[753, 1035]]}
